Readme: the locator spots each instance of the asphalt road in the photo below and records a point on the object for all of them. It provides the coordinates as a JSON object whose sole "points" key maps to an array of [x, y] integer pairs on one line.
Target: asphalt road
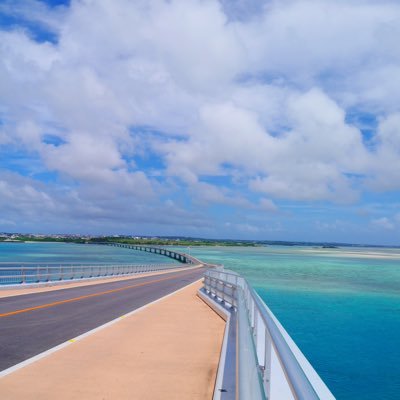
{"points": [[33, 323]]}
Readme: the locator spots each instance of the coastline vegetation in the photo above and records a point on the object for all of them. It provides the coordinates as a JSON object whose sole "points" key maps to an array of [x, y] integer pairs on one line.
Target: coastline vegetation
{"points": [[167, 241], [150, 241]]}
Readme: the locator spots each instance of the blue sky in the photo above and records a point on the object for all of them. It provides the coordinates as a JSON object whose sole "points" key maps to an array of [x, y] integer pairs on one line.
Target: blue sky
{"points": [[276, 120]]}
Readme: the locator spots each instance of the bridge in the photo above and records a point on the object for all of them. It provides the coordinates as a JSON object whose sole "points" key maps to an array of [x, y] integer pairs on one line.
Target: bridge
{"points": [[181, 257], [181, 343]]}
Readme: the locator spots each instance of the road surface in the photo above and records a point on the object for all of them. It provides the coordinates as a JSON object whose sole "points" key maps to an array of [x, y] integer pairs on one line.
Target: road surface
{"points": [[33, 323]]}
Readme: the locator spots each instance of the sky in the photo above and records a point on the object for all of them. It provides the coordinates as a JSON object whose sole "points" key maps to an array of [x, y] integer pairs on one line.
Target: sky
{"points": [[241, 119]]}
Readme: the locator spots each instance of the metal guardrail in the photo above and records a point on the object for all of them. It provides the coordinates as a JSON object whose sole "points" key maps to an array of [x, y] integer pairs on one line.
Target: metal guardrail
{"points": [[40, 274], [269, 364]]}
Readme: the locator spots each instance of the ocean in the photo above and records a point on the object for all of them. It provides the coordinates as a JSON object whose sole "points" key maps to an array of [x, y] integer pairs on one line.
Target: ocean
{"points": [[55, 254], [341, 306]]}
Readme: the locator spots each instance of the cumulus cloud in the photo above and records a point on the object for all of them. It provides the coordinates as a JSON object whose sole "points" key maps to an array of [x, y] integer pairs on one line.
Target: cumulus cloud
{"points": [[254, 94], [385, 166]]}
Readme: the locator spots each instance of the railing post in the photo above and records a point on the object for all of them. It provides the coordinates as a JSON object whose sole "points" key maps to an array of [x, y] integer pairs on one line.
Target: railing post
{"points": [[267, 362], [255, 316]]}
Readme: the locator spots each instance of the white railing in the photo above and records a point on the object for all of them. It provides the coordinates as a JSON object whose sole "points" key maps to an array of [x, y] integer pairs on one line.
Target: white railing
{"points": [[269, 364], [40, 274]]}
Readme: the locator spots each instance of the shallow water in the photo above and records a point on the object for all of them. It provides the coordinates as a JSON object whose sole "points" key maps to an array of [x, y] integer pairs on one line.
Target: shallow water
{"points": [[341, 306]]}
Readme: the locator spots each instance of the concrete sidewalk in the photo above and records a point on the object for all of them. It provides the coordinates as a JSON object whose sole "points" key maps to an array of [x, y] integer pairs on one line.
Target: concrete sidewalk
{"points": [[168, 350]]}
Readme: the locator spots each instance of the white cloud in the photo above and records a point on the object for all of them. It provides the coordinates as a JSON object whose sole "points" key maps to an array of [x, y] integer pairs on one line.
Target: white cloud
{"points": [[389, 133], [22, 198], [308, 162], [260, 99], [385, 167], [84, 156]]}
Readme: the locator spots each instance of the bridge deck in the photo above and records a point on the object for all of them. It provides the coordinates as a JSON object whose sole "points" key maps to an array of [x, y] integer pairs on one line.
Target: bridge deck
{"points": [[169, 350]]}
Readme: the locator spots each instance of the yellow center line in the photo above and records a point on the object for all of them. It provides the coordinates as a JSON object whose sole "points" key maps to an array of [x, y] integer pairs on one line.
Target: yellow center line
{"points": [[56, 303]]}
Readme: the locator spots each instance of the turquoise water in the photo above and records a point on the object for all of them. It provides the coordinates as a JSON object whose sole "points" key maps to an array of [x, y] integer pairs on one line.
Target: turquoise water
{"points": [[43, 254], [341, 306]]}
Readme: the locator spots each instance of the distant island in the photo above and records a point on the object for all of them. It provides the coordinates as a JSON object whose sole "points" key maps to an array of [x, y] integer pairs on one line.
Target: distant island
{"points": [[181, 241], [143, 240]]}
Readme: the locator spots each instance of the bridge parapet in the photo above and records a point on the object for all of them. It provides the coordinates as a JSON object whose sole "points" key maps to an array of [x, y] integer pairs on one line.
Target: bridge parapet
{"points": [[36, 275], [268, 364]]}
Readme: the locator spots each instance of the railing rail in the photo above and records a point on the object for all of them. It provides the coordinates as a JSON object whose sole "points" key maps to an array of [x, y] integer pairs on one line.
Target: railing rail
{"points": [[267, 356], [38, 274]]}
